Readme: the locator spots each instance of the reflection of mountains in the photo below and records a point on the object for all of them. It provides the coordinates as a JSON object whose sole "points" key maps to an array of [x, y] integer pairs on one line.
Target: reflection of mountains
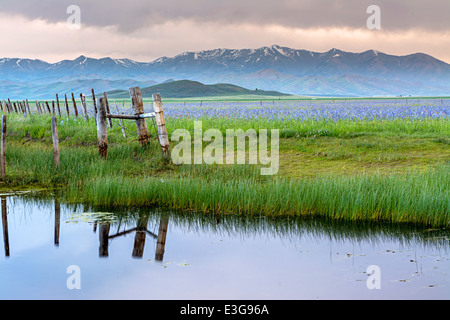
{"points": [[153, 223]]}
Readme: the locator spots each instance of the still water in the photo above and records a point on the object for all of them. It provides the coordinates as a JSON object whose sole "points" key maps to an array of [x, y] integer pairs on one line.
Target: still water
{"points": [[57, 251]]}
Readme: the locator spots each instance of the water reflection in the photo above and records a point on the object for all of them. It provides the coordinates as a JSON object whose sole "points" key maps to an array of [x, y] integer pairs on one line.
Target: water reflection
{"points": [[292, 228], [140, 234], [268, 257]]}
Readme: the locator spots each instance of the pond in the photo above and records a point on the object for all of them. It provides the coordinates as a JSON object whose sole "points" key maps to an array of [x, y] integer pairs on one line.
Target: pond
{"points": [[56, 251]]}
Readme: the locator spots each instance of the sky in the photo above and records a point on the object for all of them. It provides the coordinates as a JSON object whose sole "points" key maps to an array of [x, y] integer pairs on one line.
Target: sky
{"points": [[54, 30]]}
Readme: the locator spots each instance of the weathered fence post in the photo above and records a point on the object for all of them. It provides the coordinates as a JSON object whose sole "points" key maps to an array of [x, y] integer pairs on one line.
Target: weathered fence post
{"points": [[3, 148], [102, 133], [161, 124], [95, 102], [67, 105], [141, 124], [55, 142], [74, 105], [28, 107], [83, 103], [107, 109], [57, 104], [48, 107]]}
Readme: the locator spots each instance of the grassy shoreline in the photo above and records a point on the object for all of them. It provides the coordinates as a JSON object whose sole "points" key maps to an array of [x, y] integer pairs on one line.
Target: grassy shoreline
{"points": [[393, 171]]}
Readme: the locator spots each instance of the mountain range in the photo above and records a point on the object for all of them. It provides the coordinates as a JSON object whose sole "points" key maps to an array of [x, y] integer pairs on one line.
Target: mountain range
{"points": [[301, 72]]}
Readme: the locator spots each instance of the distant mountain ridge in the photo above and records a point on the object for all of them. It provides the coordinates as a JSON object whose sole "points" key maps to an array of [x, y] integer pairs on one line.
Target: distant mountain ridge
{"points": [[295, 71]]}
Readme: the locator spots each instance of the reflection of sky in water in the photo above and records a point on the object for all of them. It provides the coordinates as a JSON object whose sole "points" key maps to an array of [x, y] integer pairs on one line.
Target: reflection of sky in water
{"points": [[233, 258]]}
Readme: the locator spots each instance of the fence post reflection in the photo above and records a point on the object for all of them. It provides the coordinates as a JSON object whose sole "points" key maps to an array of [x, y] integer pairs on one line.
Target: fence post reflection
{"points": [[161, 241], [57, 221], [103, 237], [139, 237], [5, 227]]}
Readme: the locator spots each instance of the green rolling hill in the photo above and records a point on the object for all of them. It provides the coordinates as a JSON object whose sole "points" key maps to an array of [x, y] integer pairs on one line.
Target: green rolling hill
{"points": [[191, 89]]}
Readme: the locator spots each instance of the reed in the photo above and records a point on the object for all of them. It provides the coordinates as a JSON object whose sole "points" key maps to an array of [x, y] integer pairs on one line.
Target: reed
{"points": [[417, 198], [136, 176]]}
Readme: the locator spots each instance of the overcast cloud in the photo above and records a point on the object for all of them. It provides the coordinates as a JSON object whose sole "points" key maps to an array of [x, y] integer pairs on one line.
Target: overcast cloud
{"points": [[146, 30], [133, 14]]}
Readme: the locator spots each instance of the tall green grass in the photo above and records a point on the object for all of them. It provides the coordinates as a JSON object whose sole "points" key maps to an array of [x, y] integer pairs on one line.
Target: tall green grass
{"points": [[418, 198], [135, 176]]}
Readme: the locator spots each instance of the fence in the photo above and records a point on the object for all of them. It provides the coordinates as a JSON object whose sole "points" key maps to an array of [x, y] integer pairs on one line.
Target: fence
{"points": [[103, 116]]}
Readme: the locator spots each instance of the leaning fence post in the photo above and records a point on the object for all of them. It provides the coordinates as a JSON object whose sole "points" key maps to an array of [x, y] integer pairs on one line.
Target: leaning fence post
{"points": [[94, 101], [55, 142], [83, 103], [48, 107], [57, 104], [28, 107], [141, 124], [3, 148], [161, 124], [67, 105], [102, 133], [74, 105]]}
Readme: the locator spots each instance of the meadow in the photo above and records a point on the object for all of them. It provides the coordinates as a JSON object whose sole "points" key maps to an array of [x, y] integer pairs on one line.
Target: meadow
{"points": [[377, 160]]}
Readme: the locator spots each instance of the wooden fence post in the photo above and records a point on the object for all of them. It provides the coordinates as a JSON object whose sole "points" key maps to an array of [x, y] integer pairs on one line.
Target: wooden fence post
{"points": [[21, 107], [95, 102], [141, 124], [67, 105], [55, 142], [57, 104], [83, 103], [28, 106], [102, 133], [161, 124], [3, 148], [48, 107], [74, 105]]}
